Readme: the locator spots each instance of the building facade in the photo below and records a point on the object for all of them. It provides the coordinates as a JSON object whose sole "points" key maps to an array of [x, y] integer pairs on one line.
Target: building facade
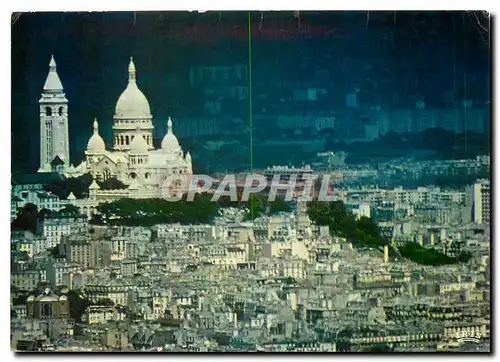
{"points": [[133, 159]]}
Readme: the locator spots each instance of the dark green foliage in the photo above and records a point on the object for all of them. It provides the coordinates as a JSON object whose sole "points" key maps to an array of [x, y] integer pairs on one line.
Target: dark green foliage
{"points": [[79, 186], [55, 252], [112, 184], [71, 209], [364, 232], [42, 213], [343, 223], [148, 212], [279, 205], [20, 299], [96, 220], [77, 305], [27, 219], [223, 339], [464, 256], [430, 256]]}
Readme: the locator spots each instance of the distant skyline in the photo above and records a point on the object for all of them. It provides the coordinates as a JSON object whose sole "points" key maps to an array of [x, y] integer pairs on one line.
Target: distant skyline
{"points": [[92, 52]]}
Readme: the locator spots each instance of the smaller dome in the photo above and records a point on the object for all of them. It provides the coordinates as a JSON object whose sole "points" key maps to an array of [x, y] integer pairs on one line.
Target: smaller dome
{"points": [[94, 186], [96, 143], [170, 142], [138, 144]]}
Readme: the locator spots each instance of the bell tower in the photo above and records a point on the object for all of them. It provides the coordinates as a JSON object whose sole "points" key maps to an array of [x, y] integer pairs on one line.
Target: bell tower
{"points": [[54, 135]]}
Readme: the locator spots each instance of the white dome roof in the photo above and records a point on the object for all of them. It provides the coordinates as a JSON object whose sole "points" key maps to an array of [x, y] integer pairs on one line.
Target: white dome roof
{"points": [[96, 143], [170, 142], [138, 144], [94, 186], [132, 102]]}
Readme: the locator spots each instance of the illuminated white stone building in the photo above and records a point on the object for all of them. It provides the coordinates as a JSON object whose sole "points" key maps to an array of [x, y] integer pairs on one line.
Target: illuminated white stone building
{"points": [[133, 159]]}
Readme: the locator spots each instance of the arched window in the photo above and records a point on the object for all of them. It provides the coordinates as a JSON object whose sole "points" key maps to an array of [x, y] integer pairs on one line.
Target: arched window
{"points": [[127, 141], [121, 141], [61, 110], [132, 175], [106, 174], [46, 310], [147, 175], [48, 111]]}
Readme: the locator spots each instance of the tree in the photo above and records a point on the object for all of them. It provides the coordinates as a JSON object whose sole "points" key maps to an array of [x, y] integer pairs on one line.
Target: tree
{"points": [[278, 205], [42, 213], [77, 305], [79, 186], [27, 219], [72, 209], [55, 252], [112, 184]]}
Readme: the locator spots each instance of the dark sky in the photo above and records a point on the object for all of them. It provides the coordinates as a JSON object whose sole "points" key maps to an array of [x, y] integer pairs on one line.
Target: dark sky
{"points": [[92, 52]]}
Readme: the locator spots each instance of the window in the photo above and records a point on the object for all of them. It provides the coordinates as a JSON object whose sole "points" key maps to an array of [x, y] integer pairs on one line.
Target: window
{"points": [[48, 111], [46, 310], [106, 174], [61, 111]]}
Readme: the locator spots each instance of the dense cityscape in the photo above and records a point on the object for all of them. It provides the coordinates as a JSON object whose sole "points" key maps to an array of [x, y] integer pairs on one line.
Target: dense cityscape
{"points": [[389, 107]]}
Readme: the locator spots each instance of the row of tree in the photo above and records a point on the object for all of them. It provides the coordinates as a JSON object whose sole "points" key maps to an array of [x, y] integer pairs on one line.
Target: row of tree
{"points": [[148, 212], [364, 232], [343, 223], [79, 186]]}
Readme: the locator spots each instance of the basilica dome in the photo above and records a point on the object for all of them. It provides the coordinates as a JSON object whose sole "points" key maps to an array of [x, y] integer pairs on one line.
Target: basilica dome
{"points": [[170, 142], [138, 144], [96, 143], [132, 103]]}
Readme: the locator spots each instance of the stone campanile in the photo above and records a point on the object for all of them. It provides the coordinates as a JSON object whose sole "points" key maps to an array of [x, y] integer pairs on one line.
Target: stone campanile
{"points": [[54, 135]]}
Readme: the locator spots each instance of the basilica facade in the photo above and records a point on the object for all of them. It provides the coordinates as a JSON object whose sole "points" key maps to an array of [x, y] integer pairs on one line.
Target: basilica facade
{"points": [[133, 158]]}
